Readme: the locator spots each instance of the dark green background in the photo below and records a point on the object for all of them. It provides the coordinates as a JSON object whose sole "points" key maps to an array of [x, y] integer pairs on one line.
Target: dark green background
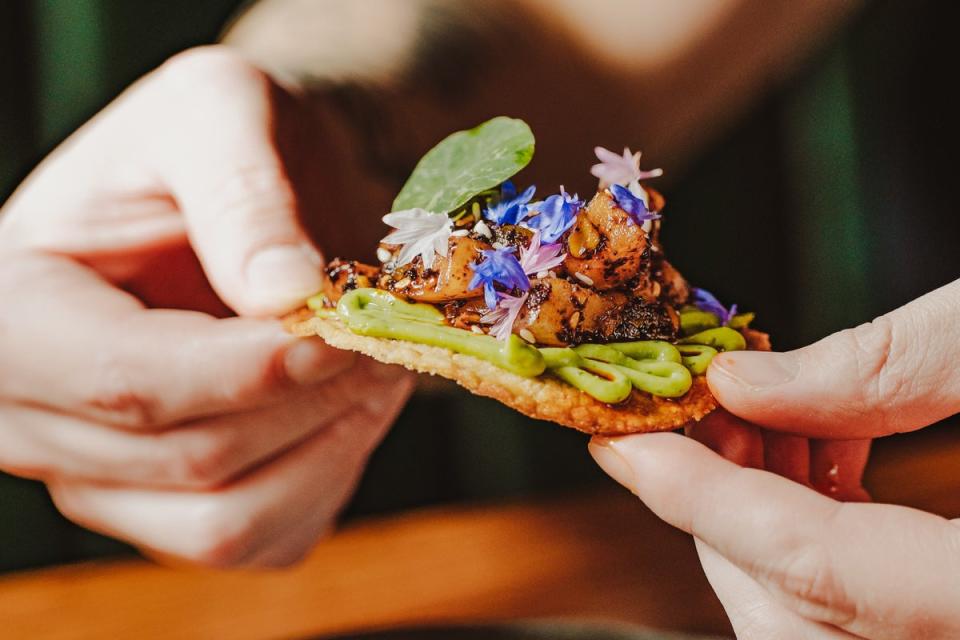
{"points": [[831, 202]]}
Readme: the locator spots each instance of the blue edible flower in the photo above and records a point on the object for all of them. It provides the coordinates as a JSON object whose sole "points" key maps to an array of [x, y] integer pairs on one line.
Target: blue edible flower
{"points": [[556, 214], [706, 301], [499, 266], [634, 206], [511, 208]]}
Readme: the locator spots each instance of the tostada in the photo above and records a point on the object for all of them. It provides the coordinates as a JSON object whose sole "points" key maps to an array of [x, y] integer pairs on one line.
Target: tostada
{"points": [[564, 308]]}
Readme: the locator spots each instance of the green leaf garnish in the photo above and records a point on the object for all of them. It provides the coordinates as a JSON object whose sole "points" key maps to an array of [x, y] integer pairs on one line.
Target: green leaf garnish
{"points": [[467, 163]]}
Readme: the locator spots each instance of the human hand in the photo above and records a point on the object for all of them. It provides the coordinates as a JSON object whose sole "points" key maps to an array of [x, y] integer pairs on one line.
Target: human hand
{"points": [[888, 376], [820, 405], [221, 441], [784, 561], [788, 562]]}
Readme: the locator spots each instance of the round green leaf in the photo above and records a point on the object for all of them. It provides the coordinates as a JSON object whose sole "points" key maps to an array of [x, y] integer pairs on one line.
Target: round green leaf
{"points": [[467, 163]]}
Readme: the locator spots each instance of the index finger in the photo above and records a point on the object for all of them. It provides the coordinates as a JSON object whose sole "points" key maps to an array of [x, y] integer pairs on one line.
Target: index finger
{"points": [[80, 346]]}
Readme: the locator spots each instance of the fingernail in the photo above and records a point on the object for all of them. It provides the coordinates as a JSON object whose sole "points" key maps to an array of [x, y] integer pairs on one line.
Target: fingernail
{"points": [[310, 361], [757, 369], [283, 276], [615, 465]]}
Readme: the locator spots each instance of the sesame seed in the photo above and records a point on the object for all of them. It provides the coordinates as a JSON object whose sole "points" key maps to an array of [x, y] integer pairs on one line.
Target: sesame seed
{"points": [[584, 279], [402, 284], [527, 335], [574, 319], [383, 255], [543, 274], [459, 233], [476, 328], [482, 228]]}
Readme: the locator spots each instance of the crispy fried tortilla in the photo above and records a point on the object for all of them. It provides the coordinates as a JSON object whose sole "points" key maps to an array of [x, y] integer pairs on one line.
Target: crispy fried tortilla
{"points": [[543, 397]]}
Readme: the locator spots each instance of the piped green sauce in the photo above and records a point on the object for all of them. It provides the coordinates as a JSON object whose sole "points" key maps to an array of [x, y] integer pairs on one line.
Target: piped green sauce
{"points": [[696, 357], [607, 372], [378, 314], [721, 339], [693, 320]]}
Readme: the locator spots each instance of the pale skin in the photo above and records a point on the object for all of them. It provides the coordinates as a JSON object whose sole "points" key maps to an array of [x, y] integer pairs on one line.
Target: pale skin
{"points": [[222, 442], [218, 441], [787, 561]]}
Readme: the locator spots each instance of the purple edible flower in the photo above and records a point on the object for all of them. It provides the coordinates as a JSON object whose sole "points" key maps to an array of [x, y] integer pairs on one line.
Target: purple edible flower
{"points": [[555, 215], [501, 267], [512, 208], [633, 205], [504, 315], [706, 301], [540, 257]]}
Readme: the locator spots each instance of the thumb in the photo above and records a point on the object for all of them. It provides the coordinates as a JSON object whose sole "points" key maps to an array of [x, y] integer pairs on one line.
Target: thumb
{"points": [[227, 164], [897, 373], [204, 147]]}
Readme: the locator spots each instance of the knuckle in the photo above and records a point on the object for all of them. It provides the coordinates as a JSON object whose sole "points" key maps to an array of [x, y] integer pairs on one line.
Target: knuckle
{"points": [[201, 461], [219, 536], [264, 378], [809, 580], [877, 356], [115, 398], [252, 194], [209, 67]]}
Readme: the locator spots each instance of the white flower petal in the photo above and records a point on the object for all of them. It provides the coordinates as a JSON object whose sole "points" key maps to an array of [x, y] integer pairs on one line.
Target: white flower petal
{"points": [[620, 169], [605, 155], [420, 233], [407, 253], [637, 189], [428, 258], [441, 241]]}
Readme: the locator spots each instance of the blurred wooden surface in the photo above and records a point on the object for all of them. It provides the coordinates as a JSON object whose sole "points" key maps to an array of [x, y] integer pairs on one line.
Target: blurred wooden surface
{"points": [[600, 556]]}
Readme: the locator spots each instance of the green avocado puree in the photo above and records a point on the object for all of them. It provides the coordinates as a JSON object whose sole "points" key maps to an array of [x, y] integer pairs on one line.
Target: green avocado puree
{"points": [[721, 339], [378, 314], [606, 372]]}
